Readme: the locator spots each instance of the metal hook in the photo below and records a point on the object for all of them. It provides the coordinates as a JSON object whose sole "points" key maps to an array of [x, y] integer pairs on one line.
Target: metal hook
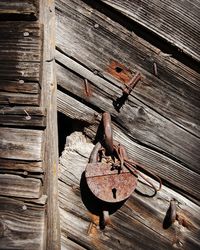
{"points": [[108, 132]]}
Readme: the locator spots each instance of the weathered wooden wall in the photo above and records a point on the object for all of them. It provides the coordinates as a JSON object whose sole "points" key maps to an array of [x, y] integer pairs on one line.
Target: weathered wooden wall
{"points": [[25, 120], [106, 42]]}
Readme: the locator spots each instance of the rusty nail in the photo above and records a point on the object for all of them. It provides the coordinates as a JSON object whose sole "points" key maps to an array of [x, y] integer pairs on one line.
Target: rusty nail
{"points": [[24, 207], [172, 208], [28, 117], [131, 84], [96, 25], [155, 69], [106, 217], [25, 173], [21, 81], [26, 33], [108, 131], [87, 88]]}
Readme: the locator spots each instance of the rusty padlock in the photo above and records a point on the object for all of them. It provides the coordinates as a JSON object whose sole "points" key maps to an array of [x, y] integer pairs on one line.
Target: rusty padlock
{"points": [[106, 181], [109, 181], [113, 181]]}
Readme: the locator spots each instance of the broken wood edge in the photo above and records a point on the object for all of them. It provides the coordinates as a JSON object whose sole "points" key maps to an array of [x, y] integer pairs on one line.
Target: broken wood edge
{"points": [[48, 100]]}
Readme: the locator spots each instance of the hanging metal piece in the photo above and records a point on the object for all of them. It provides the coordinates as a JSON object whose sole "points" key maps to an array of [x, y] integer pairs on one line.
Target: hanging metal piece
{"points": [[108, 132], [110, 174]]}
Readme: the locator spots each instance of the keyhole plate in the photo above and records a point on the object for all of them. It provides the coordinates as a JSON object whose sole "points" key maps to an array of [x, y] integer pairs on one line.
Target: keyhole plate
{"points": [[110, 185]]}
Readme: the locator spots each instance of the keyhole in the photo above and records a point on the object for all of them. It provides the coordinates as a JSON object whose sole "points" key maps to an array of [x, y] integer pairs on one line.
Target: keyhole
{"points": [[114, 191]]}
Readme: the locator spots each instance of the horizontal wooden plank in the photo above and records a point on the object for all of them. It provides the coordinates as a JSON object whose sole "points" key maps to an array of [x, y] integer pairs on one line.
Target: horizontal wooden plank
{"points": [[67, 244], [176, 22], [20, 87], [140, 216], [21, 144], [19, 71], [20, 41], [169, 170], [17, 186], [175, 87], [19, 9], [23, 116], [27, 166], [22, 225], [7, 98]]}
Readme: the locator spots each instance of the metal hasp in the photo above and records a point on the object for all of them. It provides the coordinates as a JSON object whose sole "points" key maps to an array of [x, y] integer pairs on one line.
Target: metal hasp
{"points": [[109, 181]]}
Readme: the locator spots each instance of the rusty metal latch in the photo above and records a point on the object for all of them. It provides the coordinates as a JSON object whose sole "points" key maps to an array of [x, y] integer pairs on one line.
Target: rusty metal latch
{"points": [[110, 174]]}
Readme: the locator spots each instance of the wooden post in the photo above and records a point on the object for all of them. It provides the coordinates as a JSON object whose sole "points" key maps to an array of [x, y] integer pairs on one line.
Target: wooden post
{"points": [[47, 17]]}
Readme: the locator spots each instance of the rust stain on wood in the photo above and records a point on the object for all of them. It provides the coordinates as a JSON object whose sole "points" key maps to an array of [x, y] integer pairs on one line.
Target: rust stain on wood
{"points": [[185, 221], [119, 71]]}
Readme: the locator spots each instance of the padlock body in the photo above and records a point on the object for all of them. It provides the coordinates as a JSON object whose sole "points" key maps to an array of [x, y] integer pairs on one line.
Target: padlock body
{"points": [[108, 184]]}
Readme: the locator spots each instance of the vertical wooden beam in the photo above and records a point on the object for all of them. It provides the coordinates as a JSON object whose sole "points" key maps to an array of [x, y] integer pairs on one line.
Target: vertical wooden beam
{"points": [[48, 99]]}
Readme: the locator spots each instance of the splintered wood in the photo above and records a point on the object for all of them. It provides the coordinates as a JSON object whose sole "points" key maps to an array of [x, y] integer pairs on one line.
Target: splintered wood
{"points": [[139, 216]]}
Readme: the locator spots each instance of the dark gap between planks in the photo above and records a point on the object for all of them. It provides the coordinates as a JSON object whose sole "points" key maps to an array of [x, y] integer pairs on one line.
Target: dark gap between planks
{"points": [[66, 126]]}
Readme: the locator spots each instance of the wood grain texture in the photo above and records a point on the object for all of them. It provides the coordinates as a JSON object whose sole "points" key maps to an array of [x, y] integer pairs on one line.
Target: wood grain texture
{"points": [[21, 144], [20, 41], [7, 98], [23, 116], [176, 86], [21, 225], [20, 55], [20, 87], [19, 9], [17, 186], [48, 100], [11, 70], [138, 224], [177, 22], [157, 107], [27, 166], [172, 172], [139, 121]]}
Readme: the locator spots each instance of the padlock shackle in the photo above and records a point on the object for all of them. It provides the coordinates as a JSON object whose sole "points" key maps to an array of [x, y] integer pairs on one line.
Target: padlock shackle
{"points": [[108, 133], [94, 154]]}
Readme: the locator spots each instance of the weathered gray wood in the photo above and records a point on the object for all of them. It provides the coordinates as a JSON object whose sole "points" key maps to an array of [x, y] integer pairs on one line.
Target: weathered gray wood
{"points": [[149, 128], [7, 98], [48, 96], [20, 41], [138, 224], [17, 186], [177, 22], [21, 144], [19, 71], [169, 104], [23, 116], [176, 86], [20, 87], [21, 225], [21, 9], [27, 166], [169, 170]]}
